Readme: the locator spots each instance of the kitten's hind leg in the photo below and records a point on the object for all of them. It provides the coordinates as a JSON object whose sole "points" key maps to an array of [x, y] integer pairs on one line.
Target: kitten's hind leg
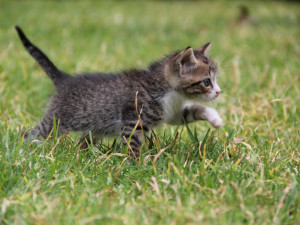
{"points": [[32, 135], [135, 139], [43, 130]]}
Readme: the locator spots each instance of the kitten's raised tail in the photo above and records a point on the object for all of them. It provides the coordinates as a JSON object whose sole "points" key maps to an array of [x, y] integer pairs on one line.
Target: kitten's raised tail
{"points": [[51, 70]]}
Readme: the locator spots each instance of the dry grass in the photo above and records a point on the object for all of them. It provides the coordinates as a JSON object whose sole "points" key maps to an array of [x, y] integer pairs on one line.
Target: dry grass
{"points": [[246, 173]]}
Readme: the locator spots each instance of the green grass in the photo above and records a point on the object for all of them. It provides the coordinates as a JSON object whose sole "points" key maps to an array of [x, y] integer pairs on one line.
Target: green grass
{"points": [[246, 173]]}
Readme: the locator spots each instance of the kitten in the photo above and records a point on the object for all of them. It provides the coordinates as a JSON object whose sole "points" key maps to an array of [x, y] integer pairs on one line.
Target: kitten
{"points": [[113, 104]]}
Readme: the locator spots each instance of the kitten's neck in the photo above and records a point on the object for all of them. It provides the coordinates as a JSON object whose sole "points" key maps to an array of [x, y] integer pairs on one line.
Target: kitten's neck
{"points": [[156, 79]]}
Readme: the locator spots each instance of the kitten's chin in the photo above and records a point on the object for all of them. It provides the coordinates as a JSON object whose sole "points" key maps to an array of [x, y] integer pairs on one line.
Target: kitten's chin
{"points": [[200, 98], [206, 98]]}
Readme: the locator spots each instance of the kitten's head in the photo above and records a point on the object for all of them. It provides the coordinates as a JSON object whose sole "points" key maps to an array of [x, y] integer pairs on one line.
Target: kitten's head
{"points": [[192, 74]]}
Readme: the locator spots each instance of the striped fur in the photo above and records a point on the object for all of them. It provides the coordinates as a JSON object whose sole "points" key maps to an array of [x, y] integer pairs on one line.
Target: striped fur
{"points": [[113, 104]]}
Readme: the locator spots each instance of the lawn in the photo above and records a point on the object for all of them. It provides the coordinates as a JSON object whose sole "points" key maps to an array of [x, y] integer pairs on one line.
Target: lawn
{"points": [[245, 173]]}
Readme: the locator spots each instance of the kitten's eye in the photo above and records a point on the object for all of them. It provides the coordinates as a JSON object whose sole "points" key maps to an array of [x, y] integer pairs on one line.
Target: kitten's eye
{"points": [[206, 82]]}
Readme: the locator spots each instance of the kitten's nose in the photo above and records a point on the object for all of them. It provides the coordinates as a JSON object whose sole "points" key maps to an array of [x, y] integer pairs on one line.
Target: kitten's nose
{"points": [[218, 92]]}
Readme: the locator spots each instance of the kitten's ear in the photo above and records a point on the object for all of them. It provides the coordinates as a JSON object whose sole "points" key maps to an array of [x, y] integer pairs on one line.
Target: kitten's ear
{"points": [[186, 59], [180, 64], [203, 50]]}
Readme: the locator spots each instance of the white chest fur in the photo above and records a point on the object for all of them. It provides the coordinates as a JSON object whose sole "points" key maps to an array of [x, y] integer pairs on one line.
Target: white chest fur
{"points": [[172, 104]]}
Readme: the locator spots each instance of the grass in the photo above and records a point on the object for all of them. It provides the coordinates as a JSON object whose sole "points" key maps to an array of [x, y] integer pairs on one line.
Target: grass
{"points": [[246, 173]]}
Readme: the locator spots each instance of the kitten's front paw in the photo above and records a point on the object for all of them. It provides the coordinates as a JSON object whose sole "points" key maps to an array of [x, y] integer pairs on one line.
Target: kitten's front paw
{"points": [[213, 118], [217, 122]]}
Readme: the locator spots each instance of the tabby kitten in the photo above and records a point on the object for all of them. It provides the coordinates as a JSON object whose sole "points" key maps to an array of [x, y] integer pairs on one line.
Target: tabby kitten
{"points": [[113, 104]]}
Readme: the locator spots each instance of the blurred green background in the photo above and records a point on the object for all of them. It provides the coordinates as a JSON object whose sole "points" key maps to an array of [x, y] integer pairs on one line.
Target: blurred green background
{"points": [[248, 172]]}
